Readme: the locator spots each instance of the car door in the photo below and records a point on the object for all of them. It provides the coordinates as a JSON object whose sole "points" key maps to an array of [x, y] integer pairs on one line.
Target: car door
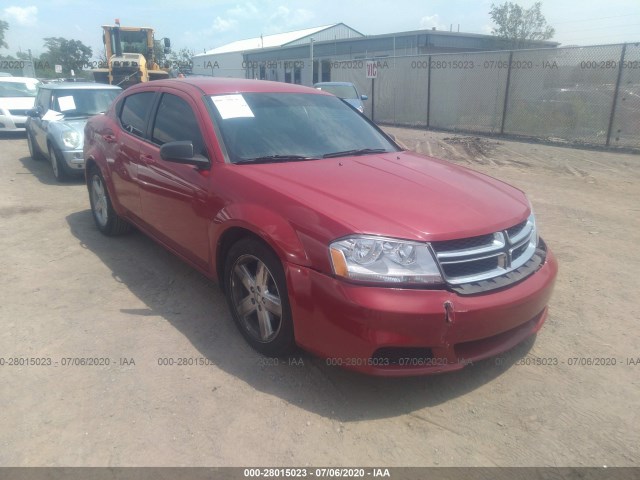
{"points": [[37, 125], [133, 117], [173, 195]]}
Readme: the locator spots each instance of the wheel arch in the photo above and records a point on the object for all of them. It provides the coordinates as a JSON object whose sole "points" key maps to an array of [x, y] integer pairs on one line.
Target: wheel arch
{"points": [[260, 223], [92, 162], [89, 164], [228, 239]]}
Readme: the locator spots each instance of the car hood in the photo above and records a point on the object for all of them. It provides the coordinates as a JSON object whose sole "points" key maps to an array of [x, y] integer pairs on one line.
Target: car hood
{"points": [[57, 127], [398, 194], [354, 102], [17, 103]]}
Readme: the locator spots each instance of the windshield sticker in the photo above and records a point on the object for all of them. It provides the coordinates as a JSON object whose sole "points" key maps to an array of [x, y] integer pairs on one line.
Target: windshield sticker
{"points": [[232, 106], [52, 116], [66, 103]]}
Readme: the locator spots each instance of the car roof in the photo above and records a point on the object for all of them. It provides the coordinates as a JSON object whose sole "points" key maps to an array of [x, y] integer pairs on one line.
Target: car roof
{"points": [[341, 84], [79, 86], [218, 85], [19, 79]]}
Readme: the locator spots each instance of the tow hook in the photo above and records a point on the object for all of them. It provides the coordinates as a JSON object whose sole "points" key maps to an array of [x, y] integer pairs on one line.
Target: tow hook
{"points": [[448, 311]]}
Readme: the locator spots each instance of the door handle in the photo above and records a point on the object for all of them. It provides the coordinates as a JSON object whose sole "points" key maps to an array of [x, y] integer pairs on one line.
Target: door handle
{"points": [[109, 138], [146, 158]]}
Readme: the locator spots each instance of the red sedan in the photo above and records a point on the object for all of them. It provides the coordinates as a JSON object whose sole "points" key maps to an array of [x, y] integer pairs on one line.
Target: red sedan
{"points": [[322, 232]]}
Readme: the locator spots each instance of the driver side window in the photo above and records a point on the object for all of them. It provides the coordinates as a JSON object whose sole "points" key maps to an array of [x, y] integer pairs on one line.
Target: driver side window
{"points": [[42, 100], [175, 121]]}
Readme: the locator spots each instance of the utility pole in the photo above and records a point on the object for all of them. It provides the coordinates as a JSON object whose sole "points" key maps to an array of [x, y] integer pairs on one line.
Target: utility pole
{"points": [[311, 51]]}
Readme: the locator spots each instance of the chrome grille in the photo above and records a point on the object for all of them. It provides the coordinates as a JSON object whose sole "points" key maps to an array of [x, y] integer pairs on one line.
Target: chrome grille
{"points": [[464, 243], [475, 260]]}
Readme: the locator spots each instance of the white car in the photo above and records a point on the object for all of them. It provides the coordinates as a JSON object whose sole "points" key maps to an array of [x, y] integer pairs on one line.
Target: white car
{"points": [[17, 95]]}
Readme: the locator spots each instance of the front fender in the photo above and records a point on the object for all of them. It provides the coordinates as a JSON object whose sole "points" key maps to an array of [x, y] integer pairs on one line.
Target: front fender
{"points": [[262, 222]]}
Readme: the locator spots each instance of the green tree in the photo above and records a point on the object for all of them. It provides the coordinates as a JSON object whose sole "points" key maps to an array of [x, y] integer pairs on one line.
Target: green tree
{"points": [[71, 54], [181, 59], [158, 53], [518, 26], [4, 26]]}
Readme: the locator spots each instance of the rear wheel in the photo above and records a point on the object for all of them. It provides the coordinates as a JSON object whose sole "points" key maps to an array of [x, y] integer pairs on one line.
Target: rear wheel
{"points": [[107, 220], [56, 165], [256, 292]]}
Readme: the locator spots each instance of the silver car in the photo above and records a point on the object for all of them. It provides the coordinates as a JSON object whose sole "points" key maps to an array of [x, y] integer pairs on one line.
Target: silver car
{"points": [[346, 91], [55, 128]]}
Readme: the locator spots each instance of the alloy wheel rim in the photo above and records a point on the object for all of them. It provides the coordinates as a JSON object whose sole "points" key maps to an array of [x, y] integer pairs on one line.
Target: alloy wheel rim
{"points": [[256, 298], [54, 162], [99, 201]]}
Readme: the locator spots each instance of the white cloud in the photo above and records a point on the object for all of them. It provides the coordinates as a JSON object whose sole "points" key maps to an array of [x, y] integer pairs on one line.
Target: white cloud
{"points": [[431, 21], [223, 24], [269, 17], [226, 23], [284, 18], [23, 16], [245, 10]]}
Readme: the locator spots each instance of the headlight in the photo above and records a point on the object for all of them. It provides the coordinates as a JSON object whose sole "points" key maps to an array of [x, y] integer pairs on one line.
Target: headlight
{"points": [[71, 139], [384, 260]]}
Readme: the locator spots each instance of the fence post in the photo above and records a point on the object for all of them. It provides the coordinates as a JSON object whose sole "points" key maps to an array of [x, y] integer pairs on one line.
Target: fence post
{"points": [[506, 94], [615, 95], [429, 92], [373, 99]]}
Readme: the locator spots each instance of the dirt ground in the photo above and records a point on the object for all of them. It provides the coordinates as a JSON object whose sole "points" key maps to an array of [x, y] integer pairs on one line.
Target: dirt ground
{"points": [[68, 292]]}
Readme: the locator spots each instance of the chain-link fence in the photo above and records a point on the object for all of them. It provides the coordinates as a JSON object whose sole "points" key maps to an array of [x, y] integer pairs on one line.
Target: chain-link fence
{"points": [[587, 95]]}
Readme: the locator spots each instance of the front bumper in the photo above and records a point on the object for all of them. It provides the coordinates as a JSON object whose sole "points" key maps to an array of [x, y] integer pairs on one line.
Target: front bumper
{"points": [[12, 123], [398, 332], [74, 161]]}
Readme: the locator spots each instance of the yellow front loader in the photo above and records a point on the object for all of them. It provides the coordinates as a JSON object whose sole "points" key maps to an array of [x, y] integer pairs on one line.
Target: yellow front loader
{"points": [[130, 56]]}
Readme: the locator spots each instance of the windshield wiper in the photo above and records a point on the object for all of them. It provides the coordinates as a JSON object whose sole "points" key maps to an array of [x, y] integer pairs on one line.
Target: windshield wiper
{"points": [[348, 153], [274, 159], [80, 114]]}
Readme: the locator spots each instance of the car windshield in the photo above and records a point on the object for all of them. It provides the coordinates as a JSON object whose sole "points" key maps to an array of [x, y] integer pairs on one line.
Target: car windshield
{"points": [[18, 89], [342, 91], [293, 126], [83, 102], [132, 42]]}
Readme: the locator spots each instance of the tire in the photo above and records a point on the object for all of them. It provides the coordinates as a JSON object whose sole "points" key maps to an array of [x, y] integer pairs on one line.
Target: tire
{"points": [[107, 220], [56, 165], [34, 151], [256, 292]]}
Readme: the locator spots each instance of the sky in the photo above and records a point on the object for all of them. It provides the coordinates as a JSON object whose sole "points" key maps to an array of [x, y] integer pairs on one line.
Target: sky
{"points": [[200, 25]]}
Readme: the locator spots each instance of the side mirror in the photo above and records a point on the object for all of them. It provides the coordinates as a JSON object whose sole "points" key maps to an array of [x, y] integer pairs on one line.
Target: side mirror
{"points": [[182, 152], [33, 112], [364, 97]]}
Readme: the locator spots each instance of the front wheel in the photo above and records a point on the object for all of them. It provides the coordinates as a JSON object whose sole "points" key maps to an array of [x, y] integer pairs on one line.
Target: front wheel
{"points": [[256, 292], [107, 220], [56, 165]]}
